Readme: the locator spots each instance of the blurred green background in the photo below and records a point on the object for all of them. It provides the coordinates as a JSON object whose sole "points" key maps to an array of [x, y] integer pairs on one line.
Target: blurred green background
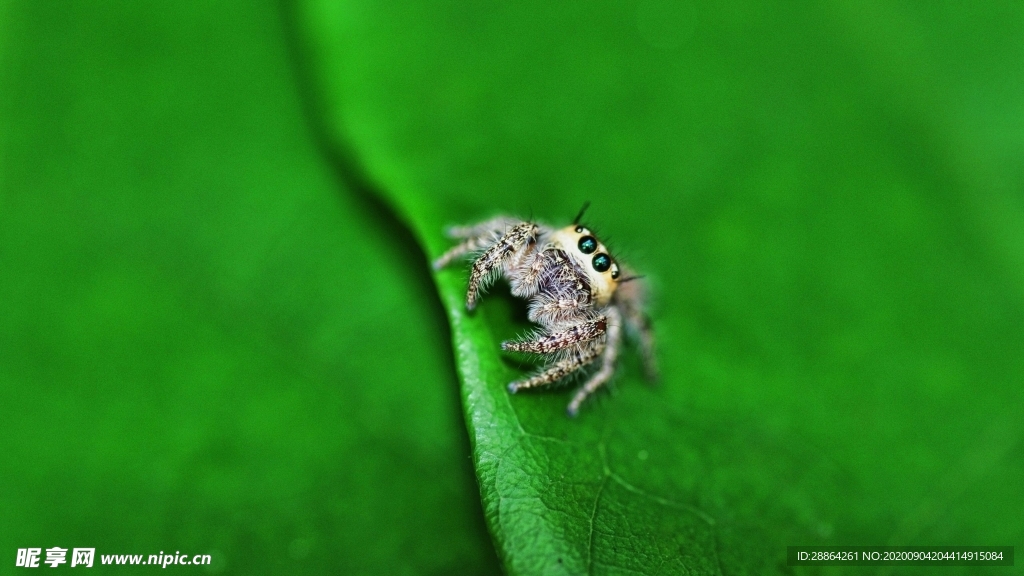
{"points": [[208, 342], [218, 332]]}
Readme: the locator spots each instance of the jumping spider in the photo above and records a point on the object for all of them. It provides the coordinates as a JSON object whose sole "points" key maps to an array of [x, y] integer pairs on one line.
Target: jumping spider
{"points": [[576, 292]]}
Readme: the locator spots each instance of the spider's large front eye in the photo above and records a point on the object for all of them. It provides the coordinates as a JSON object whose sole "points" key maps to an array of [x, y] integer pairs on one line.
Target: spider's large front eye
{"points": [[588, 244], [601, 262]]}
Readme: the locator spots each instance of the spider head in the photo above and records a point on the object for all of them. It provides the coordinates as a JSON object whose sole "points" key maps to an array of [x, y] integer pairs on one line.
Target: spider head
{"points": [[592, 256]]}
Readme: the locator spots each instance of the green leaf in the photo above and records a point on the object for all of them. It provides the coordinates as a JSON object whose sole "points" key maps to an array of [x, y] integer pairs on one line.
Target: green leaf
{"points": [[827, 202], [208, 343]]}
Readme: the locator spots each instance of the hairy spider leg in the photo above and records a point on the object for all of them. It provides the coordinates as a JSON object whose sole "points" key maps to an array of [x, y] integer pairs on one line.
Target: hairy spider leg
{"points": [[645, 337], [475, 238], [516, 238], [557, 310], [611, 353], [496, 226], [582, 332], [559, 369], [631, 302], [460, 250]]}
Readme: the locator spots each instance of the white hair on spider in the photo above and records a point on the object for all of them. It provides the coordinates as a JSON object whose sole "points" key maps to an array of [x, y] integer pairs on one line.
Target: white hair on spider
{"points": [[577, 292]]}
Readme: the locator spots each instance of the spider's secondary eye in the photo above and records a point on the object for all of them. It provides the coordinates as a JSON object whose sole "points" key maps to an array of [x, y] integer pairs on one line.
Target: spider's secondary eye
{"points": [[579, 229], [615, 272], [601, 262], [588, 244]]}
